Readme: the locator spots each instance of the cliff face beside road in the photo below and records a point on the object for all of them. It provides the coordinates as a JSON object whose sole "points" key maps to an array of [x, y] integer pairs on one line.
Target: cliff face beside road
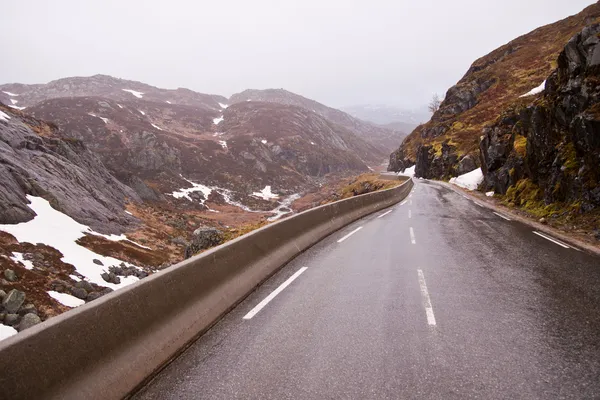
{"points": [[493, 83]]}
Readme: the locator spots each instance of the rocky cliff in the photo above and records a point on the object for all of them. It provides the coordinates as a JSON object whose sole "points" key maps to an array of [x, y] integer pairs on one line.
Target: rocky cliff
{"points": [[548, 151], [449, 143], [35, 160]]}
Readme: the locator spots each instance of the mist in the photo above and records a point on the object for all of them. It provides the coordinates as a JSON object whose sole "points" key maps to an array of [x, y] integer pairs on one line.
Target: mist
{"points": [[340, 53]]}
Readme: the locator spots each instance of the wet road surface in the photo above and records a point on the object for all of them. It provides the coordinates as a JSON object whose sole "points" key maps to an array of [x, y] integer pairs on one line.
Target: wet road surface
{"points": [[434, 298]]}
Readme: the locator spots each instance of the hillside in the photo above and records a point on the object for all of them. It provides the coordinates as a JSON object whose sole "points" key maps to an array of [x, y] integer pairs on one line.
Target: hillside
{"points": [[379, 137], [492, 84], [22, 95]]}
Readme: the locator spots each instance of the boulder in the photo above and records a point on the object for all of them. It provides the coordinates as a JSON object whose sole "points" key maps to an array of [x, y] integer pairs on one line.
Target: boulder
{"points": [[97, 262], [11, 319], [13, 301], [80, 293], [10, 275], [2, 294], [203, 238], [28, 321], [27, 309], [85, 285]]}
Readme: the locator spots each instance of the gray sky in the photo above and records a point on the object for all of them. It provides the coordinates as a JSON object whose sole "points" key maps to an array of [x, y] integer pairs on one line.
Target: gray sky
{"points": [[339, 52]]}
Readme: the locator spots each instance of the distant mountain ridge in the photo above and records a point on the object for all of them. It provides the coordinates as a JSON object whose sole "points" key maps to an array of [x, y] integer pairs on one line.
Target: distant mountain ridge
{"points": [[385, 115]]}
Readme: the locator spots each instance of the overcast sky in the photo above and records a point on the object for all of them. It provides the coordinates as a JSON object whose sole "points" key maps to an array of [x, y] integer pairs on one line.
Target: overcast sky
{"points": [[339, 52]]}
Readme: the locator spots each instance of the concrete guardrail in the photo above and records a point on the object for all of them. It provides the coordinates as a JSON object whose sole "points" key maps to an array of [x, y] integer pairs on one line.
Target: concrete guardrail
{"points": [[108, 348]]}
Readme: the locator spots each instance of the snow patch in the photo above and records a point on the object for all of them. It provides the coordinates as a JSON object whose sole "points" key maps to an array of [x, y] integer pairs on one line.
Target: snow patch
{"points": [[266, 194], [105, 120], [75, 278], [168, 102], [284, 207], [16, 107], [223, 144], [18, 257], [6, 331], [139, 95], [127, 212], [470, 180], [66, 299], [141, 112], [263, 141], [536, 90], [313, 143], [489, 194], [157, 127], [10, 94], [196, 187], [408, 171], [13, 101], [43, 228], [120, 106], [216, 121], [4, 116], [223, 106]]}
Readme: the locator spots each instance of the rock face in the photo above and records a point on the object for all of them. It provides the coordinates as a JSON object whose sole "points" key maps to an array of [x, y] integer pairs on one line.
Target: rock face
{"points": [[13, 301], [34, 160], [492, 84], [554, 142], [203, 238]]}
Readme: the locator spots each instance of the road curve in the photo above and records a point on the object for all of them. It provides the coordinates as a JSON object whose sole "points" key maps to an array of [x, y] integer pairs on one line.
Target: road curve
{"points": [[434, 298]]}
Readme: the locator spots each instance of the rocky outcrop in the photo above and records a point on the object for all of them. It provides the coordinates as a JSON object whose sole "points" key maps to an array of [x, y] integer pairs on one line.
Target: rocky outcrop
{"points": [[35, 161], [203, 238], [492, 84], [555, 141]]}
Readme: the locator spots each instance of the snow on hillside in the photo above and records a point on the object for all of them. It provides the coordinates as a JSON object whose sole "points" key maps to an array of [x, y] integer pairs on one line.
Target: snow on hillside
{"points": [[141, 112], [223, 106], [266, 194], [536, 90], [139, 95], [157, 127], [6, 331], [60, 231], [10, 94], [470, 180], [18, 258], [408, 171], [66, 299], [4, 116], [223, 144], [105, 120], [216, 121]]}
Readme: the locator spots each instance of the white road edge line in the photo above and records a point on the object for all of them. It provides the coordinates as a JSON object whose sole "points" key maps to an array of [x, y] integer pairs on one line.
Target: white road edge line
{"points": [[385, 213], [501, 216], [412, 236], [426, 299], [274, 293], [409, 214], [350, 234], [552, 240], [403, 203], [410, 202], [479, 204]]}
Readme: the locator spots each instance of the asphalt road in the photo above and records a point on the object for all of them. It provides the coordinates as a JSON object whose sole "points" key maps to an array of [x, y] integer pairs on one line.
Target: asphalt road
{"points": [[437, 299]]}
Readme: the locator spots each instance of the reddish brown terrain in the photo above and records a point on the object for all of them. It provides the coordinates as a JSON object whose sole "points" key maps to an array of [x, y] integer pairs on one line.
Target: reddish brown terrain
{"points": [[171, 171]]}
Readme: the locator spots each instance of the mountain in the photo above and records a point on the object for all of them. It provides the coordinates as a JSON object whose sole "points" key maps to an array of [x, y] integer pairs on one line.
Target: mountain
{"points": [[385, 115], [449, 143], [379, 137], [107, 87]]}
